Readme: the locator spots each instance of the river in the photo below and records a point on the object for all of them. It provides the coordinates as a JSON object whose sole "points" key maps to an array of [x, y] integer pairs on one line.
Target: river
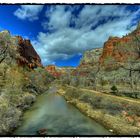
{"points": [[52, 112]]}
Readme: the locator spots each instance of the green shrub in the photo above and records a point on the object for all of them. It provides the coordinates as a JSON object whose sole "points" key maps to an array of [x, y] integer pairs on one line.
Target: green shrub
{"points": [[114, 89], [38, 81], [73, 92]]}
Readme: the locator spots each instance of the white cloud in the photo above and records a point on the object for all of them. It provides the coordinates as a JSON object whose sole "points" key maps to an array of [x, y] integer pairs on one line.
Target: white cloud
{"points": [[93, 14], [65, 42], [29, 12], [58, 18]]}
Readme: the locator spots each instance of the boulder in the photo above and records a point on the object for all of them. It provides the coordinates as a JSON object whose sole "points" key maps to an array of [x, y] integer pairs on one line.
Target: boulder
{"points": [[42, 131]]}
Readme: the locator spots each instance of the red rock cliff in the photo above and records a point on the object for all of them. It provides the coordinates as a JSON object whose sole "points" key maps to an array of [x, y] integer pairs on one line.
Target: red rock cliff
{"points": [[28, 55], [110, 49], [116, 52], [52, 70], [121, 49]]}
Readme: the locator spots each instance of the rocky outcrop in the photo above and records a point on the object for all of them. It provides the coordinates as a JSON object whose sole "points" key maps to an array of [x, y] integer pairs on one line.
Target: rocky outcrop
{"points": [[91, 57], [53, 71], [42, 131], [59, 71], [15, 48], [28, 55], [115, 52], [19, 86], [117, 63], [121, 50], [50, 68], [89, 60]]}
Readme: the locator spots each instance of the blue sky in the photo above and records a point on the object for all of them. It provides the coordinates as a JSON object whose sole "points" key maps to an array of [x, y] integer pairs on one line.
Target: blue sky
{"points": [[62, 33]]}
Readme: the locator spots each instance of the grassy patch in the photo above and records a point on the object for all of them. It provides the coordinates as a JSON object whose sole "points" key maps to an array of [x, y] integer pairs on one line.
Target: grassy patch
{"points": [[120, 115]]}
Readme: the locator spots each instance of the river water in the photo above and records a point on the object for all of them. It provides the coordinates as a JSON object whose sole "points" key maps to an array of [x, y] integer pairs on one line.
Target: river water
{"points": [[52, 112]]}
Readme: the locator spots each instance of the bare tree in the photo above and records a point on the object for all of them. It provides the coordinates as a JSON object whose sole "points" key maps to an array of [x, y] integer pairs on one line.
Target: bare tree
{"points": [[132, 64], [93, 76], [3, 53]]}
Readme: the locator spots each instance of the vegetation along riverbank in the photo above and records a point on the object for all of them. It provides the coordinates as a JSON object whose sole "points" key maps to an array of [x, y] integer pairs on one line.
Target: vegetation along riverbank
{"points": [[119, 115]]}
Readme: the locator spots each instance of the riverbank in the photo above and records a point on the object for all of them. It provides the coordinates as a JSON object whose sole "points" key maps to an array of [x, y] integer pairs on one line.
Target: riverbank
{"points": [[27, 102], [19, 88], [11, 114], [52, 113], [120, 116]]}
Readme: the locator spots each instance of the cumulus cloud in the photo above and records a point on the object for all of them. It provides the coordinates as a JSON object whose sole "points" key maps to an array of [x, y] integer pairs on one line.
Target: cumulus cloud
{"points": [[29, 12], [58, 18], [91, 15], [91, 28]]}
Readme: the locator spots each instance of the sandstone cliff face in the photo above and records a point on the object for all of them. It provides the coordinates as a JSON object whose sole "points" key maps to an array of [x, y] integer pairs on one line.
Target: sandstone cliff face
{"points": [[53, 71], [115, 51], [58, 71], [91, 57], [15, 48], [19, 85], [28, 55], [89, 61], [120, 50], [117, 63]]}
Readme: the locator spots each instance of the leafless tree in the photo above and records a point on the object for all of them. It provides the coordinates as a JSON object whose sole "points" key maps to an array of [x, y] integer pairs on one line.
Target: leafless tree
{"points": [[3, 53], [133, 62]]}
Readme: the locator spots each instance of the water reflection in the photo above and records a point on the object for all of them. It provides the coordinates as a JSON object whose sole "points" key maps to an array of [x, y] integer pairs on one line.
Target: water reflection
{"points": [[52, 112]]}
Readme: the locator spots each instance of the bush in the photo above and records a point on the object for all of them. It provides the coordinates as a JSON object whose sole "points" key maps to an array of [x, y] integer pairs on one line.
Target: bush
{"points": [[85, 98], [114, 89], [29, 98], [38, 80], [74, 93]]}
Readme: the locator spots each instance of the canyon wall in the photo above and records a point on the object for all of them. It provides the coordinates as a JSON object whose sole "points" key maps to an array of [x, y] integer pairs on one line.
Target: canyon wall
{"points": [[116, 64]]}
